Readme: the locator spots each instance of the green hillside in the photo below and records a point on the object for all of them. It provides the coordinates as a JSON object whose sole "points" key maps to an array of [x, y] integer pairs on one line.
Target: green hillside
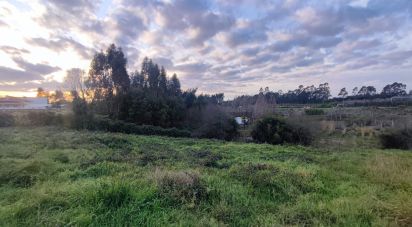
{"points": [[55, 177]]}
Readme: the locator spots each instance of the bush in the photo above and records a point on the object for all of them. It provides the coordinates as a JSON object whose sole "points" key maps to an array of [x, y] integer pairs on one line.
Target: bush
{"points": [[277, 131], [184, 187], [399, 139], [105, 124], [82, 117], [314, 112], [216, 124], [44, 118], [6, 119]]}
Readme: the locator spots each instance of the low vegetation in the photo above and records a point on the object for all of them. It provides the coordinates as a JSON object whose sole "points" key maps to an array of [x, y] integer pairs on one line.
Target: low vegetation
{"points": [[54, 177], [314, 112], [397, 139], [274, 130]]}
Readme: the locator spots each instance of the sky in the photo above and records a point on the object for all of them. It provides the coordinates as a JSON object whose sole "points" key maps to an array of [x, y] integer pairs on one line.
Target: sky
{"points": [[229, 46]]}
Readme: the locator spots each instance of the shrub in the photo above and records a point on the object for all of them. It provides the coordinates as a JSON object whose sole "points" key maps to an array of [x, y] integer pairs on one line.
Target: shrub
{"points": [[314, 112], [397, 139], [277, 131], [216, 124], [6, 119], [44, 118], [184, 187], [82, 117], [105, 124]]}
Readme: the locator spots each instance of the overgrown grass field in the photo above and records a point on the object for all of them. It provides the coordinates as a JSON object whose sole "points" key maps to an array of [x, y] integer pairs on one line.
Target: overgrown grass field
{"points": [[55, 177]]}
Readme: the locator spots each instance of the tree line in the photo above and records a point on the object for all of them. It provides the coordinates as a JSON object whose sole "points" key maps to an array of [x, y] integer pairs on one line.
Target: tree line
{"points": [[320, 94], [148, 96], [369, 92]]}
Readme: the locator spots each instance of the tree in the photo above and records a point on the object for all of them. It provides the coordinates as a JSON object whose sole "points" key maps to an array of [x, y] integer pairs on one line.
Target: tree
{"points": [[99, 83], [174, 85], [262, 107], [343, 93], [367, 91], [82, 116], [322, 93], [355, 91], [163, 81], [74, 81], [154, 76], [138, 80], [59, 96], [41, 93], [395, 89], [108, 78], [116, 63]]}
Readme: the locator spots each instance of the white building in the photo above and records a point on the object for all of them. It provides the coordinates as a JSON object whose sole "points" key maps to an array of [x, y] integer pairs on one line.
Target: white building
{"points": [[23, 103], [241, 120]]}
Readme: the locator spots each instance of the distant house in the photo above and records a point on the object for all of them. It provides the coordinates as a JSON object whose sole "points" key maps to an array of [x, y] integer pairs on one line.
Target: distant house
{"points": [[242, 120], [23, 103]]}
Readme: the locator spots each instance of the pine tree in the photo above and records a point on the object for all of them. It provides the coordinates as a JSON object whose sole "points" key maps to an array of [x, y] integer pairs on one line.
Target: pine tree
{"points": [[163, 81]]}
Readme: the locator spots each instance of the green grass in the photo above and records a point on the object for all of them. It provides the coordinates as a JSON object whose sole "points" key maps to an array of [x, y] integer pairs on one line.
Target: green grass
{"points": [[56, 177]]}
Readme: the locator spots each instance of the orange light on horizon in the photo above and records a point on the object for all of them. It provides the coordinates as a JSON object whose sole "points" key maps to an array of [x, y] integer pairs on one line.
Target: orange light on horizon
{"points": [[18, 93]]}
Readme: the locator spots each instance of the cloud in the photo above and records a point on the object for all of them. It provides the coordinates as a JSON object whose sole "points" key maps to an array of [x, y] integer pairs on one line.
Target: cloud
{"points": [[3, 24], [13, 50], [39, 69], [246, 33], [31, 86], [191, 68], [227, 45], [319, 22], [15, 75], [60, 44], [208, 25], [127, 26]]}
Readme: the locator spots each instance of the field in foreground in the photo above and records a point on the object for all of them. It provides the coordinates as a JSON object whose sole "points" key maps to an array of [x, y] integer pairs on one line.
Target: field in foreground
{"points": [[54, 177]]}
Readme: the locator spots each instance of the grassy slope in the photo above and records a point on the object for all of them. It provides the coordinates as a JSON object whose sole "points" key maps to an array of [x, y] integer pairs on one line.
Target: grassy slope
{"points": [[54, 177]]}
